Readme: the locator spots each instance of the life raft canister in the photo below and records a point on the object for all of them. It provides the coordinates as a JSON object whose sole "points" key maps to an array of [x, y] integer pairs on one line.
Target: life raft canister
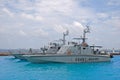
{"points": [[68, 52]]}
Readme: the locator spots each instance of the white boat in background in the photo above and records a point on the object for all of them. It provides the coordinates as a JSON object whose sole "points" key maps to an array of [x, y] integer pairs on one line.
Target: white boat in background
{"points": [[73, 53]]}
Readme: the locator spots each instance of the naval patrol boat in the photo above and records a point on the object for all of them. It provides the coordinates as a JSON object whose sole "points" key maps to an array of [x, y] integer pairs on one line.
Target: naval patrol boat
{"points": [[73, 53]]}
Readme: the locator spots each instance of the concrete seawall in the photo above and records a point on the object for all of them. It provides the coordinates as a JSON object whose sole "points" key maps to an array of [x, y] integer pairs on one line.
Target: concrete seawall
{"points": [[5, 54]]}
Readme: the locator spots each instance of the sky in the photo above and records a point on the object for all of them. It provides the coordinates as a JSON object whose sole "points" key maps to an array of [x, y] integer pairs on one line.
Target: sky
{"points": [[35, 23]]}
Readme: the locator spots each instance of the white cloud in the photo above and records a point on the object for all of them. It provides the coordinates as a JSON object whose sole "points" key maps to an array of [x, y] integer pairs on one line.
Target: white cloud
{"points": [[75, 28], [22, 33], [38, 32], [32, 17], [77, 24], [2, 30], [41, 18], [8, 12], [114, 2], [54, 6], [27, 16], [102, 15], [59, 29], [113, 22]]}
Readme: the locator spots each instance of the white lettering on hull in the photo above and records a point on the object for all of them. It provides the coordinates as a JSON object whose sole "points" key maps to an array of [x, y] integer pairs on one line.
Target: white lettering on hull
{"points": [[86, 59]]}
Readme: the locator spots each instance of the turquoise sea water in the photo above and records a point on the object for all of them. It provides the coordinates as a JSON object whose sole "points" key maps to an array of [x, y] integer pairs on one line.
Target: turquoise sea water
{"points": [[14, 69]]}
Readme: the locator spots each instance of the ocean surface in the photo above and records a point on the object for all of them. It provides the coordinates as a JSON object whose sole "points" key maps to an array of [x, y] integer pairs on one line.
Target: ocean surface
{"points": [[15, 69]]}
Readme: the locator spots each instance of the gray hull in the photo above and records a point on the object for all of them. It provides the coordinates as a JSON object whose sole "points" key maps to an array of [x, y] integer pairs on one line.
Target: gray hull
{"points": [[19, 56], [67, 58]]}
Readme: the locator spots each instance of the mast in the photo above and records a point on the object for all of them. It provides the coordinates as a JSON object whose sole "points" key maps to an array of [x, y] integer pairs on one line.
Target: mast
{"points": [[64, 37], [86, 30], [83, 38]]}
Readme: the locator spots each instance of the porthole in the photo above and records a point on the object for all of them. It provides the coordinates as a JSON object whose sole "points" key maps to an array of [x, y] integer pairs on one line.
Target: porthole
{"points": [[84, 48]]}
